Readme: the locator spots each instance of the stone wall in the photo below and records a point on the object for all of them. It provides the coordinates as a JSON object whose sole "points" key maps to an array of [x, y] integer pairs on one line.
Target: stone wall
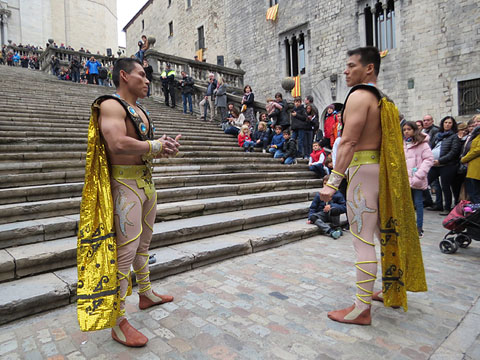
{"points": [[91, 24], [157, 16], [433, 51]]}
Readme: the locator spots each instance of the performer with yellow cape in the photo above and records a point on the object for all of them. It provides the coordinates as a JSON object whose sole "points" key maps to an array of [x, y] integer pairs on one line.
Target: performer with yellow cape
{"points": [[118, 207], [379, 203]]}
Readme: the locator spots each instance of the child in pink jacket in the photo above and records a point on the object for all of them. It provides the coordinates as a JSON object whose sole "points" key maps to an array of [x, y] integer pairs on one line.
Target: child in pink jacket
{"points": [[419, 159]]}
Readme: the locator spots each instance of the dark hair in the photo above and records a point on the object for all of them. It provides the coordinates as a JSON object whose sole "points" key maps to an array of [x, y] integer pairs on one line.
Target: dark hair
{"points": [[368, 55], [454, 126], [278, 126], [309, 98], [286, 132], [316, 142], [245, 88], [125, 64], [279, 95], [144, 36], [298, 98], [418, 136], [262, 113]]}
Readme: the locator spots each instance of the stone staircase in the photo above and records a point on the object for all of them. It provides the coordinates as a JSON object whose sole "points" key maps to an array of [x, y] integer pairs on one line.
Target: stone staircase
{"points": [[214, 200]]}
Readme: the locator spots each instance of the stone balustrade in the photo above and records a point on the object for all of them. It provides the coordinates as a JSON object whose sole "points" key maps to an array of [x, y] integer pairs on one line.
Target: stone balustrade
{"points": [[23, 51], [199, 71], [65, 56]]}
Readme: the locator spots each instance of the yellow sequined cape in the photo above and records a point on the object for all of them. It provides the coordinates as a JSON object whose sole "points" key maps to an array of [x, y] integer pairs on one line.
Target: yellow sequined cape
{"points": [[401, 254], [98, 288]]}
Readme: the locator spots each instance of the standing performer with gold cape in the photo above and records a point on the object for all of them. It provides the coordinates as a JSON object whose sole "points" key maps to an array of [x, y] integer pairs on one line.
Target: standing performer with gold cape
{"points": [[118, 207], [378, 195]]}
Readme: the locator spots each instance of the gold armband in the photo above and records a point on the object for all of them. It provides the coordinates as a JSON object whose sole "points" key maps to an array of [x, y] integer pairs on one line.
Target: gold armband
{"points": [[332, 187], [335, 179]]}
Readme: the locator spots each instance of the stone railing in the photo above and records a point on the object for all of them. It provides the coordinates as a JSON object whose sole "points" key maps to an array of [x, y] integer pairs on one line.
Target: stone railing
{"points": [[23, 51], [196, 69], [65, 56], [199, 72]]}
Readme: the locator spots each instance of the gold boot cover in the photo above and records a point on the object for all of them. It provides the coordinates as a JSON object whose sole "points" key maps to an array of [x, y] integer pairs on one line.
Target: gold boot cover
{"points": [[98, 289]]}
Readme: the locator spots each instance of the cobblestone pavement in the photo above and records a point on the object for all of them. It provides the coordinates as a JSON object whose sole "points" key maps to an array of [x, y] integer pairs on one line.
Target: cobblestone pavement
{"points": [[273, 305]]}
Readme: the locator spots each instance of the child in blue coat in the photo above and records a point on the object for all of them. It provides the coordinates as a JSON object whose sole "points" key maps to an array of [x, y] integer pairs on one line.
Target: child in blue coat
{"points": [[327, 215]]}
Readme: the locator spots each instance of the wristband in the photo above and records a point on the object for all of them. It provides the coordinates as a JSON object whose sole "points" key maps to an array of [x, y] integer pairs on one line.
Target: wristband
{"points": [[335, 179], [155, 147], [336, 172], [331, 186]]}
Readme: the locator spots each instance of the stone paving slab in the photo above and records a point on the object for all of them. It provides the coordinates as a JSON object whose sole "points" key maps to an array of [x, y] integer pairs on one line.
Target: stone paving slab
{"points": [[272, 305]]}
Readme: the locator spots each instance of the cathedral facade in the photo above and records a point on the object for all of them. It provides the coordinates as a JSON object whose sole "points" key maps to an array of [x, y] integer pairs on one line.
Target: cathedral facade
{"points": [[430, 48], [91, 24]]}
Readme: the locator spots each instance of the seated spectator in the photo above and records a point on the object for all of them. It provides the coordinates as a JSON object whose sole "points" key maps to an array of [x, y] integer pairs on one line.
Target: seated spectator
{"points": [[317, 161], [327, 216], [289, 149], [234, 121], [244, 139], [276, 144], [264, 117], [472, 159], [329, 165], [260, 136]]}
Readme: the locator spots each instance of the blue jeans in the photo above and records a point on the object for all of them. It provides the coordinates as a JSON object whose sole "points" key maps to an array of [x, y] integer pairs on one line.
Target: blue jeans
{"points": [[248, 143], [289, 160], [417, 196], [185, 98], [76, 76], [472, 187], [277, 154], [299, 135], [232, 130], [318, 169]]}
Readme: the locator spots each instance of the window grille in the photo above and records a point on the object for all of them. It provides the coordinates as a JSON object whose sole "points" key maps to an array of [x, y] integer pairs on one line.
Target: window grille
{"points": [[469, 97]]}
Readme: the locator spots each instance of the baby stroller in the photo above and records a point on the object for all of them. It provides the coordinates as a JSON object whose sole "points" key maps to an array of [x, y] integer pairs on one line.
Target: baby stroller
{"points": [[464, 225]]}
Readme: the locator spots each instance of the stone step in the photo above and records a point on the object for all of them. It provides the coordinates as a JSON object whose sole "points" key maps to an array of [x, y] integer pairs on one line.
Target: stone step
{"points": [[34, 294], [182, 157], [55, 254], [248, 185], [48, 228], [60, 177], [12, 214]]}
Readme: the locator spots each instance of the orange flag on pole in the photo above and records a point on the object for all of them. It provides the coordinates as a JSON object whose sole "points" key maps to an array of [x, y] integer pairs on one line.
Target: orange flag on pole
{"points": [[272, 13], [296, 90]]}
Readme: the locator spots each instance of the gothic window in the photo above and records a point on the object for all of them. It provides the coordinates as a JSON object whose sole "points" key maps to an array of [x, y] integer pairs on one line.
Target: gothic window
{"points": [[468, 97], [380, 25], [189, 3], [143, 25], [273, 2], [170, 28], [295, 54]]}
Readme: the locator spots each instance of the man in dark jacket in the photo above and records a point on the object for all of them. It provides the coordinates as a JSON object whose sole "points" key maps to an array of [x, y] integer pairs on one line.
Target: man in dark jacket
{"points": [[75, 67], [149, 74], [208, 98], [186, 84], [323, 214], [289, 149], [299, 126], [430, 128]]}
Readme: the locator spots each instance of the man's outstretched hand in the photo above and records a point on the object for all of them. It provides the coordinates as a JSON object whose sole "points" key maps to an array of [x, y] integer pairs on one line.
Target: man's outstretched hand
{"points": [[170, 146]]}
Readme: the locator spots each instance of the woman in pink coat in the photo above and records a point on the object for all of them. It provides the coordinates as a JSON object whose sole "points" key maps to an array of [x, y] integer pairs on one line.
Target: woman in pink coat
{"points": [[419, 159]]}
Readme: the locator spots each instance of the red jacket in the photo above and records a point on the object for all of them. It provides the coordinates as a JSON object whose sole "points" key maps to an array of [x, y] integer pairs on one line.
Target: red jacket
{"points": [[242, 139], [315, 155], [329, 124]]}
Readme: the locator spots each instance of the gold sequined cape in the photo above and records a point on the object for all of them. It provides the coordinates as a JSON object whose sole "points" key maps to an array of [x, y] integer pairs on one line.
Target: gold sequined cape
{"points": [[401, 254], [98, 288]]}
